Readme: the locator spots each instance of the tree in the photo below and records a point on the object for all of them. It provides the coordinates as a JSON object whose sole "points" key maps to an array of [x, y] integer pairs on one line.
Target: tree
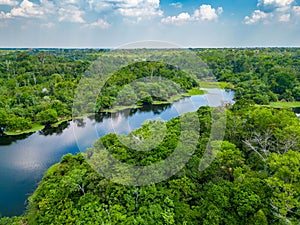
{"points": [[3, 120], [18, 123], [284, 181], [47, 116]]}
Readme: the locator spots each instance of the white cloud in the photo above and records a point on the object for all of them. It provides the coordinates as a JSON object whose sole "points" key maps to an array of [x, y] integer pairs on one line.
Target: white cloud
{"points": [[74, 10], [275, 3], [256, 17], [140, 12], [70, 1], [176, 5], [100, 6], [139, 8], [137, 3], [178, 20], [284, 18], [27, 9], [278, 10], [206, 12], [48, 7], [101, 23], [4, 15], [128, 8], [70, 14], [296, 10], [9, 2]]}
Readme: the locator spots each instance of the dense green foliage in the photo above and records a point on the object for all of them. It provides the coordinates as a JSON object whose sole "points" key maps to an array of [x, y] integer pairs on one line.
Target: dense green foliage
{"points": [[255, 178], [33, 82], [12, 221], [39, 86], [149, 81], [263, 75]]}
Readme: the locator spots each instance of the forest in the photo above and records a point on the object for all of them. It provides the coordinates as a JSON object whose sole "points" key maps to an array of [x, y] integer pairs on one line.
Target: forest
{"points": [[262, 75], [37, 86], [254, 178]]}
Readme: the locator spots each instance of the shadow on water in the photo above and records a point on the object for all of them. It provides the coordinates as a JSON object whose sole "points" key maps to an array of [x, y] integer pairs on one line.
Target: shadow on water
{"points": [[296, 110], [25, 158], [99, 117], [8, 140], [80, 123], [48, 130], [127, 113]]}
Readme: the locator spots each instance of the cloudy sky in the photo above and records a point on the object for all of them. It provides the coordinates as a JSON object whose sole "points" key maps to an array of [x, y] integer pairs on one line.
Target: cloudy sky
{"points": [[111, 23]]}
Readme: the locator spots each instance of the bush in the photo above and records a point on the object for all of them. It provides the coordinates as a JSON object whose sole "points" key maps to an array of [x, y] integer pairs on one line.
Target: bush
{"points": [[47, 116]]}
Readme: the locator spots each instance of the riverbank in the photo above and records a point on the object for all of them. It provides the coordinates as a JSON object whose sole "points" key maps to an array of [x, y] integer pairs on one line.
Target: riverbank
{"points": [[284, 105], [172, 99], [213, 84], [36, 127], [27, 157], [192, 92]]}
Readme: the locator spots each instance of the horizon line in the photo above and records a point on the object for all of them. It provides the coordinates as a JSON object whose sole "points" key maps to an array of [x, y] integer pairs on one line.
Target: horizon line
{"points": [[114, 48]]}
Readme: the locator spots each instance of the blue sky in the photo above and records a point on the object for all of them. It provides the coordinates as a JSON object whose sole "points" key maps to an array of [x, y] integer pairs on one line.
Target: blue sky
{"points": [[112, 23]]}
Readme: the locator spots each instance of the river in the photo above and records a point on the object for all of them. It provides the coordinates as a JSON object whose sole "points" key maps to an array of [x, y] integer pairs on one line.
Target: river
{"points": [[25, 158]]}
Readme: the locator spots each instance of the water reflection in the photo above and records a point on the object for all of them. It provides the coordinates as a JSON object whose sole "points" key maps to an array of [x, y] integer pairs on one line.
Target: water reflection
{"points": [[8, 140], [80, 122], [25, 158], [126, 113], [296, 110], [55, 130]]}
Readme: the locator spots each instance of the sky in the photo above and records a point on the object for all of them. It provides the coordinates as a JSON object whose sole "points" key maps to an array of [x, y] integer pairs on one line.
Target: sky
{"points": [[114, 23]]}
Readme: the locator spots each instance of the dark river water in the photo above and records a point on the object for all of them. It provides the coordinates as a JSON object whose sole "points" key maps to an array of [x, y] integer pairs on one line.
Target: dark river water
{"points": [[25, 158]]}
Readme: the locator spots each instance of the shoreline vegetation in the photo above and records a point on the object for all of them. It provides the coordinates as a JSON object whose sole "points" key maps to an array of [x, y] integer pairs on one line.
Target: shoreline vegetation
{"points": [[258, 153], [76, 183], [192, 92], [175, 98], [31, 98], [38, 127], [214, 84], [284, 105]]}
